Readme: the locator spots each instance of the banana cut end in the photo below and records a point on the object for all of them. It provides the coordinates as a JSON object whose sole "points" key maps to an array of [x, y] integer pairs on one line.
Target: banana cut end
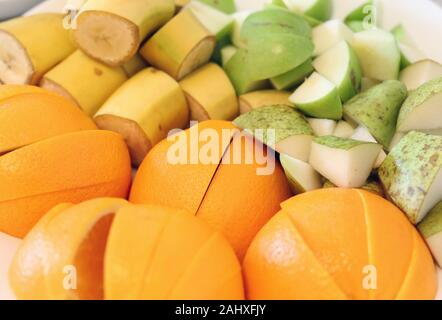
{"points": [[137, 141], [15, 64], [107, 37], [197, 111], [197, 57]]}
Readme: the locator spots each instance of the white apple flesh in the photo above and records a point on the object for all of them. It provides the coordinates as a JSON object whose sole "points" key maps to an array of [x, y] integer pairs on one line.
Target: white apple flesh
{"points": [[329, 34], [378, 54], [318, 97]]}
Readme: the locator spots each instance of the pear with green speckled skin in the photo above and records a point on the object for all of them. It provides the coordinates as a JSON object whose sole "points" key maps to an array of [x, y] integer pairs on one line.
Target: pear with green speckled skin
{"points": [[412, 176], [346, 163], [377, 109], [422, 111], [281, 128], [431, 230], [301, 175]]}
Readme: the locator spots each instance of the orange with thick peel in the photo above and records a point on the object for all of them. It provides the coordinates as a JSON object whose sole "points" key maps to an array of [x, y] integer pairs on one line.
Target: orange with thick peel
{"points": [[11, 90], [233, 198], [68, 168], [107, 248], [339, 244], [31, 117], [62, 257]]}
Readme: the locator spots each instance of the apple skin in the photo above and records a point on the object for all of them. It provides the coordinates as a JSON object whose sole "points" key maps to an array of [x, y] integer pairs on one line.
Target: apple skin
{"points": [[328, 106], [350, 83], [226, 6], [377, 109], [409, 171], [293, 77]]}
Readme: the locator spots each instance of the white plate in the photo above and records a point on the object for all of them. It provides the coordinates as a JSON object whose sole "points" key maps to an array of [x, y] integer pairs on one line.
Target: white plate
{"points": [[11, 8], [422, 18]]}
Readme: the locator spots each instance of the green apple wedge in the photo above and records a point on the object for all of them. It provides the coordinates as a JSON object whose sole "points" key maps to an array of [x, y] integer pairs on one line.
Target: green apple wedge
{"points": [[420, 72], [343, 130], [318, 97], [227, 53], [361, 133], [378, 54], [346, 163], [301, 175], [317, 9], [340, 65], [366, 16], [226, 6], [261, 98], [238, 20], [329, 34], [422, 111], [431, 230], [322, 127], [412, 176], [293, 77], [267, 56], [409, 52], [377, 109], [218, 23], [372, 185], [281, 128]]}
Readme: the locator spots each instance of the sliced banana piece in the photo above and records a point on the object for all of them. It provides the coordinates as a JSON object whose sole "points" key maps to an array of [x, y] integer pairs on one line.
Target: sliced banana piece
{"points": [[112, 30], [84, 80], [24, 57], [181, 46], [210, 94], [144, 110]]}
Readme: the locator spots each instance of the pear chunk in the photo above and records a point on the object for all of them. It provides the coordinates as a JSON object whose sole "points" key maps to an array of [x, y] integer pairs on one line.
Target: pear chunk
{"points": [[422, 111], [318, 97], [340, 65], [362, 134], [343, 130], [378, 54], [281, 128], [346, 163], [301, 176], [377, 109], [431, 230], [322, 127], [412, 175], [420, 72]]}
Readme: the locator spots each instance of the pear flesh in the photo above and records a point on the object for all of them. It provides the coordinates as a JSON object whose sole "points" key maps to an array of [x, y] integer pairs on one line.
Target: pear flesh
{"points": [[322, 127], [301, 176], [279, 127], [422, 111], [419, 73], [346, 163], [362, 134], [343, 130], [412, 176], [431, 230]]}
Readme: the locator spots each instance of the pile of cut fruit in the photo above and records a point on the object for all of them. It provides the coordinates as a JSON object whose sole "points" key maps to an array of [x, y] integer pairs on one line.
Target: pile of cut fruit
{"points": [[349, 114]]}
